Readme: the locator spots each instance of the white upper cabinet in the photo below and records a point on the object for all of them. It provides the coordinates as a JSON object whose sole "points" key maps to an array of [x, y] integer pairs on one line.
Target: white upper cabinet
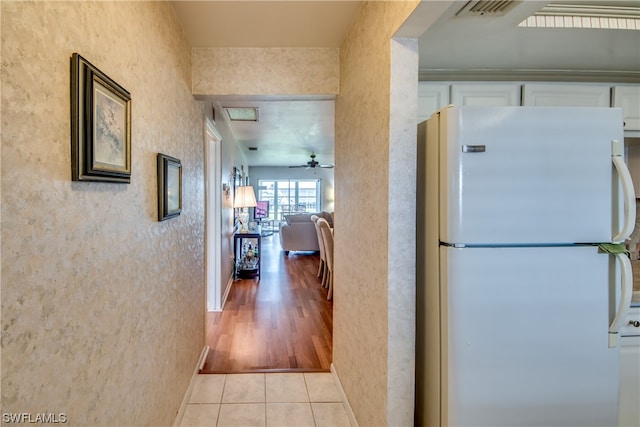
{"points": [[485, 94], [565, 95], [627, 97], [431, 98]]}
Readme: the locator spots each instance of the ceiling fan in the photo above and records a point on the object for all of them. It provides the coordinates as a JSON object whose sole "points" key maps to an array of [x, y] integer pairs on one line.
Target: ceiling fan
{"points": [[312, 164]]}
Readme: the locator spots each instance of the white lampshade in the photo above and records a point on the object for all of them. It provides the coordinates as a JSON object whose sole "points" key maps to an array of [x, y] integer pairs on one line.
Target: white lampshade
{"points": [[244, 197]]}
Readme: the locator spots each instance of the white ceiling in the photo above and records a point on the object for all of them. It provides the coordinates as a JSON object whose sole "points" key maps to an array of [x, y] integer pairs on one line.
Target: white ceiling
{"points": [[291, 129], [497, 43], [288, 131], [265, 23]]}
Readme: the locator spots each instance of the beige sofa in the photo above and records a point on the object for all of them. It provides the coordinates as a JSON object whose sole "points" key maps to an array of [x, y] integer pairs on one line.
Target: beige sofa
{"points": [[298, 233]]}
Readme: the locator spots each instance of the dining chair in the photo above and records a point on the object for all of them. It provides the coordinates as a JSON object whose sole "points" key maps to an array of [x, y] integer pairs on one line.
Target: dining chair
{"points": [[327, 238], [322, 266]]}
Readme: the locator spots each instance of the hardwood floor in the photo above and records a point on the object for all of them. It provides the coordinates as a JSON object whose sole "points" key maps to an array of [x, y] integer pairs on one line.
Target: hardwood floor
{"points": [[281, 323]]}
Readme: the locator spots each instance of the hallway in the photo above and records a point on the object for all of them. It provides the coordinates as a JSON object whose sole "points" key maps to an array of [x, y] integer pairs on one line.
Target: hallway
{"points": [[281, 323]]}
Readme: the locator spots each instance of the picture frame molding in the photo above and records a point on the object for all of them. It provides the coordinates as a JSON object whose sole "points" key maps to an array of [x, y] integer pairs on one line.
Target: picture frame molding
{"points": [[91, 158], [169, 187]]}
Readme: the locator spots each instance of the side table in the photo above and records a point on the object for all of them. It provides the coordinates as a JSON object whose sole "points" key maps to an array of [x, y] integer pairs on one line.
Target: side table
{"points": [[247, 253]]}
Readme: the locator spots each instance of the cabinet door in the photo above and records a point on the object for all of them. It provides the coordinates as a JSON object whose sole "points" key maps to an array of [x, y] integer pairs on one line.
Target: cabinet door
{"points": [[628, 98], [629, 412], [486, 94], [431, 97], [629, 382], [565, 95]]}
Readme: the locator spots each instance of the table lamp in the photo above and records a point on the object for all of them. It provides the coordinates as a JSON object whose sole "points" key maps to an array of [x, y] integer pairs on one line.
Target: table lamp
{"points": [[243, 199]]}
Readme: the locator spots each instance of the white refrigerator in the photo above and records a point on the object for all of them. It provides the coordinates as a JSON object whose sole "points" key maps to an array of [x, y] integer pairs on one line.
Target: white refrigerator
{"points": [[518, 307]]}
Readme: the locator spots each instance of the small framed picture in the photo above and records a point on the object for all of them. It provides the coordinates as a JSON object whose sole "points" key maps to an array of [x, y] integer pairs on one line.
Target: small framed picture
{"points": [[100, 125], [169, 187]]}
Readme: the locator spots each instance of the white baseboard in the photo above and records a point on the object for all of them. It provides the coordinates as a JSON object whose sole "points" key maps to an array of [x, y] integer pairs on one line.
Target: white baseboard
{"points": [[343, 397], [203, 358], [224, 297], [187, 394], [226, 293]]}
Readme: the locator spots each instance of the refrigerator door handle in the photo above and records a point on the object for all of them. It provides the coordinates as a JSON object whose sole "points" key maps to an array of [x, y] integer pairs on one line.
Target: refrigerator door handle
{"points": [[628, 193], [626, 289]]}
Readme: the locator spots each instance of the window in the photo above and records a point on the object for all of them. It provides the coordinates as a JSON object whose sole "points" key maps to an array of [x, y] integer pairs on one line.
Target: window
{"points": [[287, 196]]}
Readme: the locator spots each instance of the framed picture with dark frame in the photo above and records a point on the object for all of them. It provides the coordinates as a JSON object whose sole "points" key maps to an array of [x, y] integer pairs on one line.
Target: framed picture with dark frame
{"points": [[169, 187], [100, 125], [237, 178]]}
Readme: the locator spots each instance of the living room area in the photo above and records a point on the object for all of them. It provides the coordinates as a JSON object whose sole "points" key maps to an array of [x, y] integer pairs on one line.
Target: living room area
{"points": [[290, 196]]}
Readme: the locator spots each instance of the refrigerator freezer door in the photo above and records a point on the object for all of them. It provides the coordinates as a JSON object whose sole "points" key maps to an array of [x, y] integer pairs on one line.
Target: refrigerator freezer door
{"points": [[523, 175], [525, 335]]}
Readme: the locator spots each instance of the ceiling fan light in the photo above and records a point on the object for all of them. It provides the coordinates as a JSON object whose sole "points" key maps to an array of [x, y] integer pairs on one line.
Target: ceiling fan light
{"points": [[312, 164]]}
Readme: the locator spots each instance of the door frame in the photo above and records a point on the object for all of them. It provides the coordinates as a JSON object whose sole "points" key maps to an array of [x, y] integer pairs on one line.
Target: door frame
{"points": [[213, 218]]}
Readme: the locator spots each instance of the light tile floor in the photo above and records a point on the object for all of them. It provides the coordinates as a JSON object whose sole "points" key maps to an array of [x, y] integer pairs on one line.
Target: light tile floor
{"points": [[282, 399]]}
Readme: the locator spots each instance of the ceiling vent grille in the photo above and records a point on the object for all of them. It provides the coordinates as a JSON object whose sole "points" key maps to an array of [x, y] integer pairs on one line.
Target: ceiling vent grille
{"points": [[242, 114], [486, 7]]}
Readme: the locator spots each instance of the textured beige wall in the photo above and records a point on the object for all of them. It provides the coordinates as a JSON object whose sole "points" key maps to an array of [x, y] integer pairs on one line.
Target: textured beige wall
{"points": [[102, 306], [369, 261], [402, 232], [266, 71]]}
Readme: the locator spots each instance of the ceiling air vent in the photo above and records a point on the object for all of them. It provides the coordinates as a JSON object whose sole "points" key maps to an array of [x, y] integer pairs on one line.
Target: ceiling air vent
{"points": [[242, 114], [486, 7]]}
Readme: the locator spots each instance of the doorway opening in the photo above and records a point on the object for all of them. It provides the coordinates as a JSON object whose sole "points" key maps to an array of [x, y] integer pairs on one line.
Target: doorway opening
{"points": [[279, 322]]}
